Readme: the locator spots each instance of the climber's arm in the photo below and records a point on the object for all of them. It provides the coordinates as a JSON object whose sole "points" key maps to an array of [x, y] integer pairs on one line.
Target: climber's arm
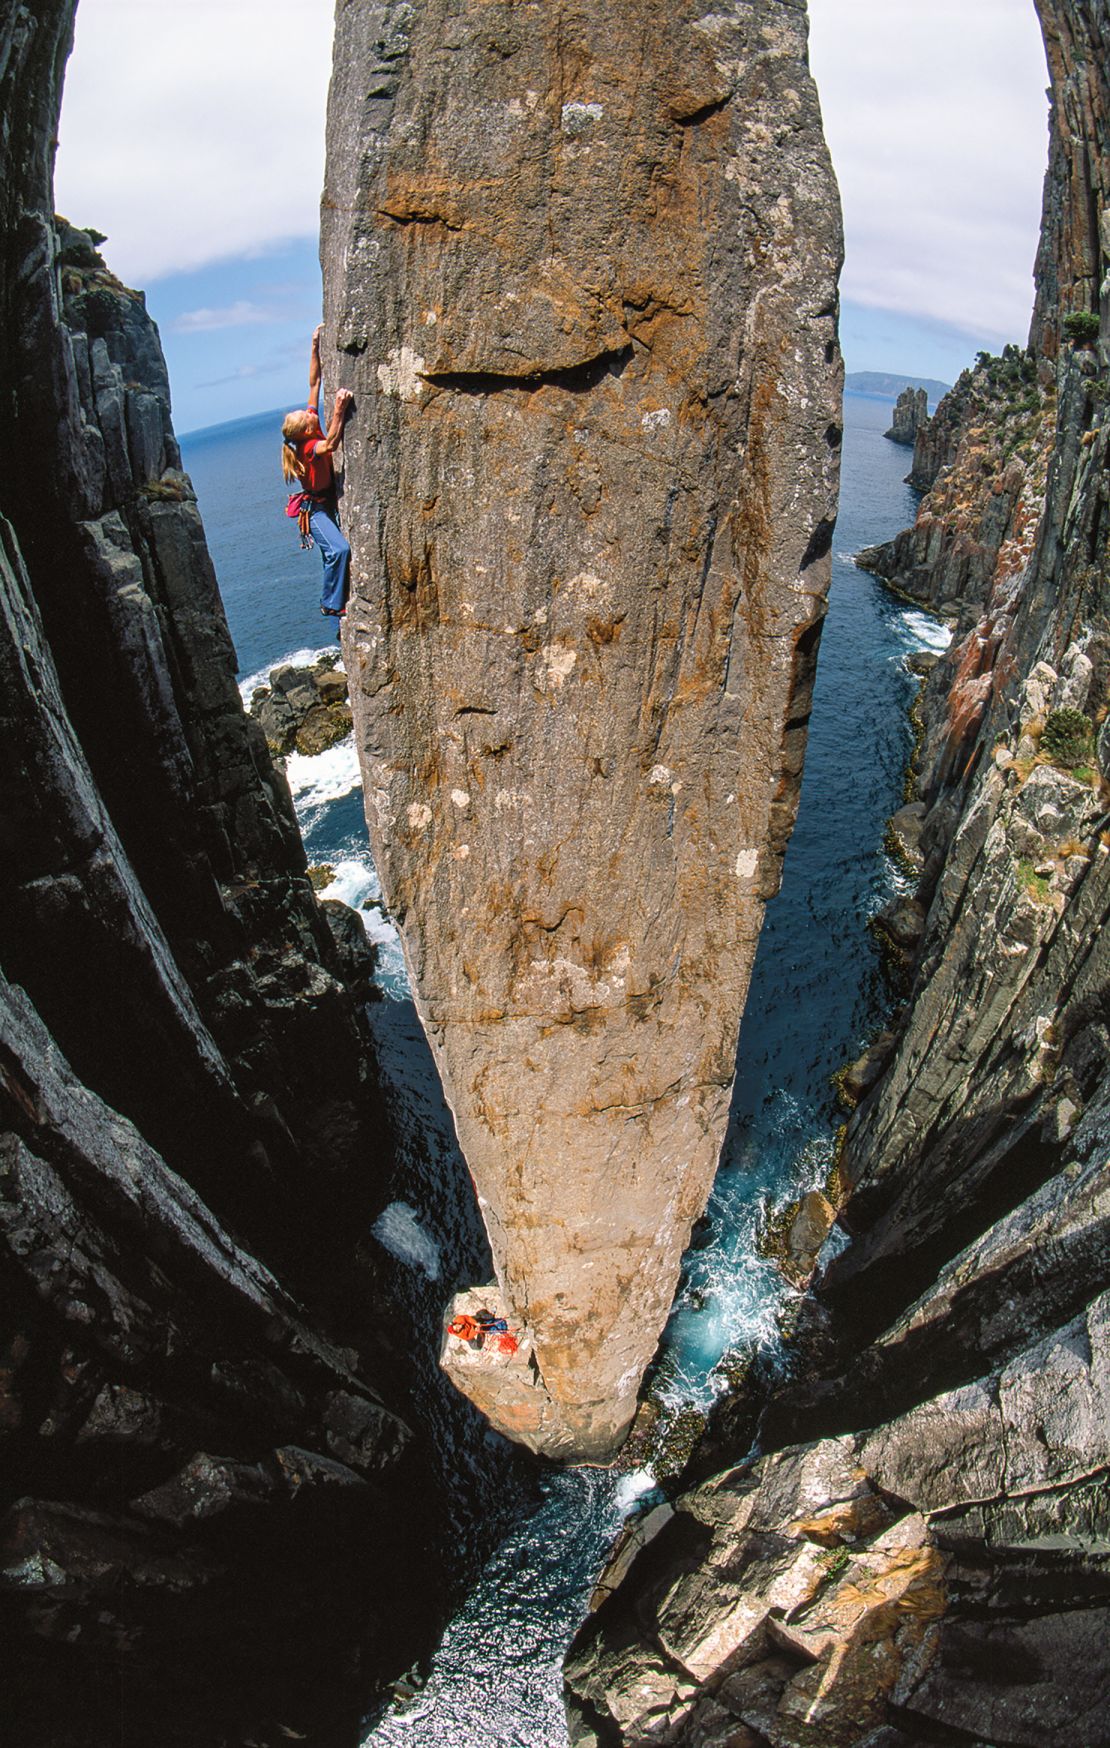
{"points": [[342, 407], [313, 402]]}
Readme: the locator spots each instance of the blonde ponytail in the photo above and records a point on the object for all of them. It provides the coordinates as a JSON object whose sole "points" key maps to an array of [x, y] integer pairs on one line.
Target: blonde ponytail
{"points": [[292, 435]]}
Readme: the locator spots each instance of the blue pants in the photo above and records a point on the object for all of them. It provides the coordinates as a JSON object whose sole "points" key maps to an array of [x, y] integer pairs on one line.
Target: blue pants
{"points": [[335, 550]]}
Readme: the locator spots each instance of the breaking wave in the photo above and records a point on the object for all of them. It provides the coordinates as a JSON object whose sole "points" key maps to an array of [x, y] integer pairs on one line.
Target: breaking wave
{"points": [[297, 658], [927, 632], [355, 882], [323, 778]]}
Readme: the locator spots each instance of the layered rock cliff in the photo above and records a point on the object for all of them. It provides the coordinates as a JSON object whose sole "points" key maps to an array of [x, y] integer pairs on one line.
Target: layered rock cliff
{"points": [[917, 1552], [582, 266], [193, 1474]]}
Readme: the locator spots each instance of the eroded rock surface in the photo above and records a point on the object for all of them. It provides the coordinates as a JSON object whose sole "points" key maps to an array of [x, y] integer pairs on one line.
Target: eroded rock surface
{"points": [[836, 1589], [583, 265]]}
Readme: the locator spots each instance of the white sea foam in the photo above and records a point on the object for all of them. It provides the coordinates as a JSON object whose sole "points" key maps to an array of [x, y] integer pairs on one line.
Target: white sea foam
{"points": [[927, 632], [353, 882], [632, 1487], [297, 658], [400, 1231], [392, 973], [326, 777]]}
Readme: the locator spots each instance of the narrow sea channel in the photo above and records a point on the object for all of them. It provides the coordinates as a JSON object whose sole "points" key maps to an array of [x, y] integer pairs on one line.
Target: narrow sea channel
{"points": [[816, 999]]}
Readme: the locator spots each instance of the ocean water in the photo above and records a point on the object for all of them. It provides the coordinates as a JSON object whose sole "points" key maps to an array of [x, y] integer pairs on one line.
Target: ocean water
{"points": [[816, 999]]}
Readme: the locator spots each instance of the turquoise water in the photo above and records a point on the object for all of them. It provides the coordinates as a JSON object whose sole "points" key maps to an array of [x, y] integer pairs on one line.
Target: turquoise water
{"points": [[815, 1000]]}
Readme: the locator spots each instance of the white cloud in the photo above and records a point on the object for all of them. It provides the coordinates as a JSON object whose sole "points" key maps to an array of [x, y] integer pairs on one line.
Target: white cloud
{"points": [[195, 133], [191, 133], [243, 373], [936, 118], [241, 314]]}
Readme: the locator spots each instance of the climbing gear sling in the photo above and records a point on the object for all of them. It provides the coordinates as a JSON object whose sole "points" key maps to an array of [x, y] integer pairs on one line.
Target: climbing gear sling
{"points": [[301, 505]]}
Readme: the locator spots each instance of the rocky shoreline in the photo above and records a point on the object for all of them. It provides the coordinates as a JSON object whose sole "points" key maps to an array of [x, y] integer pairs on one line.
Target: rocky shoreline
{"points": [[208, 1455]]}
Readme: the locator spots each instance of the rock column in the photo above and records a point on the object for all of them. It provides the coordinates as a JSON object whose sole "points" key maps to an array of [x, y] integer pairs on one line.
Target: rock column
{"points": [[911, 415], [582, 264]]}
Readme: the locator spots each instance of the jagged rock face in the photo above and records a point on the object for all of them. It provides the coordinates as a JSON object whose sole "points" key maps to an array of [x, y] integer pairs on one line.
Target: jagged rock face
{"points": [[583, 264], [1012, 542], [911, 415], [303, 709], [935, 443], [148, 839], [179, 1442]]}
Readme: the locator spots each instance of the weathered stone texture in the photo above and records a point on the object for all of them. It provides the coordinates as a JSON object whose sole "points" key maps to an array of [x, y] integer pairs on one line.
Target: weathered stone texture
{"points": [[147, 836], [838, 1588], [937, 439], [303, 709], [583, 264]]}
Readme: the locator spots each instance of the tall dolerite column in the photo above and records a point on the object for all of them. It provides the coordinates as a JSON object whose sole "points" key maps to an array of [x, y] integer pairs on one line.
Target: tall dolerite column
{"points": [[581, 273]]}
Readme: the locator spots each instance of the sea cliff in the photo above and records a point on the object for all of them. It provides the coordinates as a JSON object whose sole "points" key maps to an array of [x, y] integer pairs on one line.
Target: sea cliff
{"points": [[581, 269], [914, 1549], [197, 1464]]}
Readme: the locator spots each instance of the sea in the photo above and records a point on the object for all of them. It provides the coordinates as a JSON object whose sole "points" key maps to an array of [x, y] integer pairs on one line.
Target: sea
{"points": [[535, 1546]]}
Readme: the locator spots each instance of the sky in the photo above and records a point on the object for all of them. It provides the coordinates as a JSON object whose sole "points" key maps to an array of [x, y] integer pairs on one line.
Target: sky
{"points": [[197, 145]]}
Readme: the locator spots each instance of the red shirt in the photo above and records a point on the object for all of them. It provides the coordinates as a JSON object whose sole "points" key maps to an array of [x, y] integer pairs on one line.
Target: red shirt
{"points": [[318, 475]]}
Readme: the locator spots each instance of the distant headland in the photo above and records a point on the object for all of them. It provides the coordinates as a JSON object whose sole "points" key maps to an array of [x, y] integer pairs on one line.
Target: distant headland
{"points": [[888, 387]]}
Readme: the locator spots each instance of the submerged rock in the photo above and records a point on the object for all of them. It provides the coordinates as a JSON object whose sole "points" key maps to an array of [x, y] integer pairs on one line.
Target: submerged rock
{"points": [[794, 1235], [902, 921], [581, 271], [855, 1081], [904, 830]]}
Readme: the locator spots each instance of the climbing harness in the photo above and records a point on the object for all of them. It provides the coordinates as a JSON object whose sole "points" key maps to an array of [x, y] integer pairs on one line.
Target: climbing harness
{"points": [[301, 505]]}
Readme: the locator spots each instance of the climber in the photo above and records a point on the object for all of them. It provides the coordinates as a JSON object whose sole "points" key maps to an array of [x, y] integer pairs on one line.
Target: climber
{"points": [[466, 1329], [482, 1326], [306, 459]]}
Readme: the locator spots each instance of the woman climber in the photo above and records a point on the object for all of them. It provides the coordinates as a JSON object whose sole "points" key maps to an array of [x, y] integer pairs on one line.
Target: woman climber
{"points": [[484, 1328], [306, 460]]}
